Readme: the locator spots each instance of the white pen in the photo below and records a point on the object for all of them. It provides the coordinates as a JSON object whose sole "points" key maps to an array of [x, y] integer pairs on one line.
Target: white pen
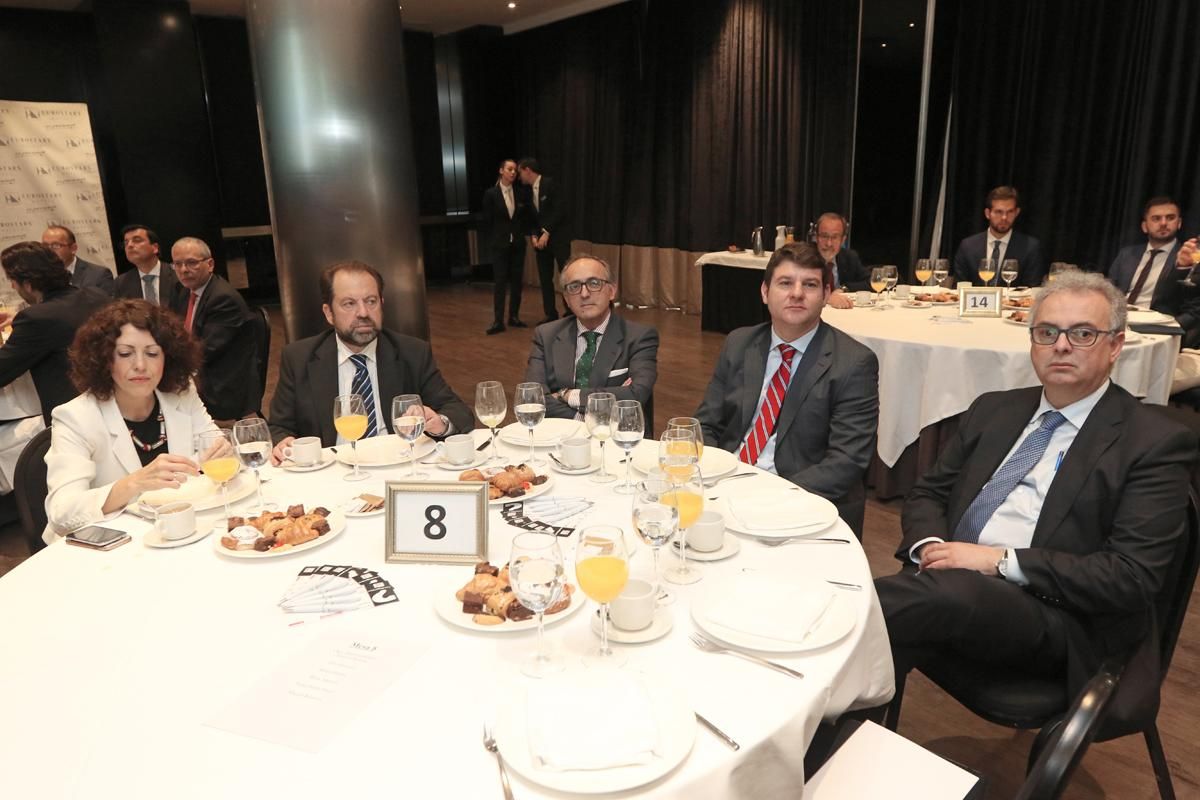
{"points": [[333, 594], [312, 608], [308, 583]]}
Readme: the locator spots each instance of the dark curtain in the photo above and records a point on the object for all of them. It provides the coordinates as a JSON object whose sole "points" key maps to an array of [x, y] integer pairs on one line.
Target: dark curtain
{"points": [[685, 124], [1088, 108]]}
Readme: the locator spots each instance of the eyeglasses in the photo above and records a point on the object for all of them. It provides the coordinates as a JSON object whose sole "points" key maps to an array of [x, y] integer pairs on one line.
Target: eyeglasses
{"points": [[592, 284], [191, 263], [58, 245], [1080, 337], [831, 237]]}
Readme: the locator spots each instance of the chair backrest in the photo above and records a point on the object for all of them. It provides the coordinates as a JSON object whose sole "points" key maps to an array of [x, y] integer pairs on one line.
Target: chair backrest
{"points": [[262, 340], [1177, 592], [29, 488]]}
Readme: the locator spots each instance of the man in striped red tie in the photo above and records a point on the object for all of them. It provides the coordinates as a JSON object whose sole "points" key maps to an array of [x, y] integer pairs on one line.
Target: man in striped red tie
{"points": [[795, 396]]}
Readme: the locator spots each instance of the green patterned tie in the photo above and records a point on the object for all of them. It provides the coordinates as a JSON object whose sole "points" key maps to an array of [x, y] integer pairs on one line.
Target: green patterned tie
{"points": [[583, 368]]}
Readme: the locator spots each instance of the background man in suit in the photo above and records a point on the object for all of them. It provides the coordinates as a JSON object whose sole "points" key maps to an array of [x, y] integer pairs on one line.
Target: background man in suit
{"points": [[1048, 524], [549, 234], [596, 350], [1149, 274], [848, 270], [358, 356], [795, 396], [42, 332], [215, 313], [152, 280], [504, 217], [1000, 243], [61, 240]]}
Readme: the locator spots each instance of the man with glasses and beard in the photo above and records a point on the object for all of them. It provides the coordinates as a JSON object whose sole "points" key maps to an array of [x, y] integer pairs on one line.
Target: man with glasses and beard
{"points": [[1001, 243], [358, 356]]}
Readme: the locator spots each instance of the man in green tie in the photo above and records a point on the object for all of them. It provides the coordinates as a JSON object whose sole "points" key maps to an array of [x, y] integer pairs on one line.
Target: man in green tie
{"points": [[595, 349]]}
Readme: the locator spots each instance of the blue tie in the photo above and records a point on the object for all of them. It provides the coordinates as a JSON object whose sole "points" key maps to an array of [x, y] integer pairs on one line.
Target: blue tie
{"points": [[362, 387], [1011, 473]]}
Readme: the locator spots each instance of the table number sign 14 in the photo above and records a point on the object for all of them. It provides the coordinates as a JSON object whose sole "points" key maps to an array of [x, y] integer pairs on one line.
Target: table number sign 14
{"points": [[436, 522], [979, 301]]}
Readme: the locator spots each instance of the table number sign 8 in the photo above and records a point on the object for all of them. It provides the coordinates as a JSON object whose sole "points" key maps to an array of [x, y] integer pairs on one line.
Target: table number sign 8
{"points": [[979, 301], [436, 522]]}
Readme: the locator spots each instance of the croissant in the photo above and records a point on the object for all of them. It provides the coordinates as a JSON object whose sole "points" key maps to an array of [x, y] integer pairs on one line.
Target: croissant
{"points": [[295, 534], [471, 475]]}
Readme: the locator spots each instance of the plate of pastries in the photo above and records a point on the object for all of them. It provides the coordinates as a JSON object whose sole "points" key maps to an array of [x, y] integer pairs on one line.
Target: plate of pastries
{"points": [[486, 602], [509, 483], [279, 533]]}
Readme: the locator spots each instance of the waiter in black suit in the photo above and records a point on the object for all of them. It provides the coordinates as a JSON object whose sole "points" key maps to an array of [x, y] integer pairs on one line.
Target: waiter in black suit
{"points": [[61, 240], [358, 356], [215, 313], [1150, 273], [1047, 526], [849, 274], [504, 218], [549, 231], [42, 332], [1000, 242], [153, 280]]}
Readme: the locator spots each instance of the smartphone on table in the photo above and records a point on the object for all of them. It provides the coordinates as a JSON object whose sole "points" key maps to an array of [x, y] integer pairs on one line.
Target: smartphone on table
{"points": [[95, 537]]}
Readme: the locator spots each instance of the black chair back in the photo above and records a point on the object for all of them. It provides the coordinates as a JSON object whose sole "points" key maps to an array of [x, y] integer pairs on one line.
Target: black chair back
{"points": [[29, 489], [262, 341]]}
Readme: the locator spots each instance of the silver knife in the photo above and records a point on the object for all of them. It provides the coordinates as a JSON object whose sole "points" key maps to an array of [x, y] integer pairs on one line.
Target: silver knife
{"points": [[720, 734]]}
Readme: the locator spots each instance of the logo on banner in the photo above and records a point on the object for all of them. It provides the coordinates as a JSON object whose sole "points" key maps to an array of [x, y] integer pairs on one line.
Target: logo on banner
{"points": [[84, 197], [12, 199], [73, 142], [39, 113]]}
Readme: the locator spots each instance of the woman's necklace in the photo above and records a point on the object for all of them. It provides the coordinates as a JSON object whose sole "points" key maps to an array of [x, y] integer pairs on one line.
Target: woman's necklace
{"points": [[162, 436]]}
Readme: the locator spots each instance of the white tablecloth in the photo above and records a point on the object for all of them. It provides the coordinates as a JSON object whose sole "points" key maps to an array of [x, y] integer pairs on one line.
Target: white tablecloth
{"points": [[930, 371], [113, 661], [743, 259]]}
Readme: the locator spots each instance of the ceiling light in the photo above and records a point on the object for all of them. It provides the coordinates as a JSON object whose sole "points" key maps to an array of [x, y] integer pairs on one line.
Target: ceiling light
{"points": [[512, 5], [883, 45], [912, 24]]}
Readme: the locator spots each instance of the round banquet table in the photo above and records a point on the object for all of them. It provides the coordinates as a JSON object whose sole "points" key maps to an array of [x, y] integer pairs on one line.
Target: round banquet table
{"points": [[933, 365], [115, 662]]}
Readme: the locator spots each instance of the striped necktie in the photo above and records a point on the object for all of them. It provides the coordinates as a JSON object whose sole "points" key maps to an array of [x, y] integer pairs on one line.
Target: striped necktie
{"points": [[362, 387], [768, 414], [149, 291]]}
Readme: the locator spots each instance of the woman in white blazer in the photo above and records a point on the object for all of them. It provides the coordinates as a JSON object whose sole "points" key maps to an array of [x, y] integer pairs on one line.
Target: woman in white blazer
{"points": [[131, 428]]}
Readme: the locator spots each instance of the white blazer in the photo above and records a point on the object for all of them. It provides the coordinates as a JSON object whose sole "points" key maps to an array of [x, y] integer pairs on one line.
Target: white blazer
{"points": [[90, 449]]}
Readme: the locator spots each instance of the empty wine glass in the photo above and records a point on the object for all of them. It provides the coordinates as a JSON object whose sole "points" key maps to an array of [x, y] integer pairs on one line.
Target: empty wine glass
{"points": [[490, 407], [253, 440], [1009, 270], [599, 419], [629, 428], [350, 419], [218, 460], [535, 569], [408, 420], [529, 404], [656, 522], [602, 569]]}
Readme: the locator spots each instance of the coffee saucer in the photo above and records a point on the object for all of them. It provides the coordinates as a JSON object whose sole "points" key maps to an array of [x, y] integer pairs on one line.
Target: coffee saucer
{"points": [[562, 470], [326, 459], [153, 538], [731, 547], [661, 625], [476, 460]]}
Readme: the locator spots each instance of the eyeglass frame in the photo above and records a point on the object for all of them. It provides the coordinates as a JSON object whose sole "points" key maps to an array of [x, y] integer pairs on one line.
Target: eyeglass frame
{"points": [[600, 283], [190, 263], [1068, 331]]}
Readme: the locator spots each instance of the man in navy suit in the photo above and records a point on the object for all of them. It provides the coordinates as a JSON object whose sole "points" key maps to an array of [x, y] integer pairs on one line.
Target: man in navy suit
{"points": [[504, 219], [1149, 273], [61, 240], [1000, 243], [549, 230]]}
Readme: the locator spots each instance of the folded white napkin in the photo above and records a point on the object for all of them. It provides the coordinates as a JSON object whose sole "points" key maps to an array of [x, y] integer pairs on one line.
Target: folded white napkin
{"points": [[585, 722], [194, 488], [776, 510], [771, 609]]}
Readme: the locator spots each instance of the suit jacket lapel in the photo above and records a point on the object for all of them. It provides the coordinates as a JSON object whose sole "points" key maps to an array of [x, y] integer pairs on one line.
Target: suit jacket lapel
{"points": [[323, 380], [563, 348], [610, 347], [1001, 432], [121, 443], [388, 369], [1167, 278], [815, 362], [752, 376]]}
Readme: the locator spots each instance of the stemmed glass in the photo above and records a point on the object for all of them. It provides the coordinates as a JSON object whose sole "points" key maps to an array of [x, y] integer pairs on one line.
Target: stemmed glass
{"points": [[490, 407], [630, 427], [218, 460], [689, 424], [1055, 268], [599, 419], [408, 420], [878, 284], [350, 419], [656, 522], [987, 270], [891, 275], [253, 439], [688, 497], [1009, 270], [924, 270], [535, 569], [529, 404], [679, 453], [602, 569], [941, 270]]}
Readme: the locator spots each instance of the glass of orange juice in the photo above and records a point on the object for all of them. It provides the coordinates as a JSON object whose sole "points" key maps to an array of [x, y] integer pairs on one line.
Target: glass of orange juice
{"points": [[679, 453], [690, 424], [350, 419], [218, 460], [602, 570], [688, 497]]}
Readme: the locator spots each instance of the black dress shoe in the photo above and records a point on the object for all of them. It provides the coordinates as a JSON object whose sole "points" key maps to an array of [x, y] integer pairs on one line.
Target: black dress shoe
{"points": [[496, 328], [513, 322]]}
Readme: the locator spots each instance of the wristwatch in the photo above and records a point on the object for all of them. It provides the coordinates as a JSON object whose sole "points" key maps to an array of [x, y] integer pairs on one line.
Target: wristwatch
{"points": [[1002, 565]]}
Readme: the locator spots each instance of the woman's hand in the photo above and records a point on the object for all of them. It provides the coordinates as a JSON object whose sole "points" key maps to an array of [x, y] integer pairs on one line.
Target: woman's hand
{"points": [[167, 471]]}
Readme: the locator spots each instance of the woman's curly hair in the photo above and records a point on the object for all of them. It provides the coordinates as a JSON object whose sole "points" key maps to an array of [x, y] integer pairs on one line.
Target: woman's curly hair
{"points": [[91, 353]]}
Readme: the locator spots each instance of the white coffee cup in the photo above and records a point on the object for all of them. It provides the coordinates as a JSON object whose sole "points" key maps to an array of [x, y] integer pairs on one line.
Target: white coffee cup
{"points": [[862, 298], [707, 533], [633, 608], [304, 451], [458, 449], [964, 284], [902, 292], [175, 521], [576, 453]]}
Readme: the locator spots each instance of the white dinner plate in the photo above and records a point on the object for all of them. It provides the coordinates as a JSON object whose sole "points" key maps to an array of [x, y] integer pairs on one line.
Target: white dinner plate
{"points": [[449, 608], [659, 627], [241, 486], [677, 732], [534, 492], [916, 304], [837, 622], [384, 451], [1010, 321], [731, 547], [817, 513], [714, 463], [153, 538], [547, 433], [1150, 318], [337, 524], [357, 502], [327, 458]]}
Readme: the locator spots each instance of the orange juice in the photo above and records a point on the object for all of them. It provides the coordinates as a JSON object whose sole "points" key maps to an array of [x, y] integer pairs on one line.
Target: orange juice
{"points": [[351, 427], [221, 469], [924, 274], [602, 577], [690, 506], [986, 275]]}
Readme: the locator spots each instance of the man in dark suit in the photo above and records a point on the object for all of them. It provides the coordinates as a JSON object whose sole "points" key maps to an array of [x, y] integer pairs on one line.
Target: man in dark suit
{"points": [[504, 217], [42, 332], [152, 280], [822, 434], [595, 350], [549, 230], [1149, 274], [1000, 243], [1045, 530], [61, 240], [358, 356], [849, 274], [215, 313]]}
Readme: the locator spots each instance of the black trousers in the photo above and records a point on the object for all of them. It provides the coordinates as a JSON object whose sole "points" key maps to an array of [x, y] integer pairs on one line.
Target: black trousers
{"points": [[545, 263], [508, 264]]}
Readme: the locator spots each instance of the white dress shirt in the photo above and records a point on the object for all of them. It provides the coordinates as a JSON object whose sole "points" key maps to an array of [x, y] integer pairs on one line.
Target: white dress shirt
{"points": [[991, 243], [766, 458], [157, 273], [1156, 271], [71, 267], [537, 201], [572, 395], [346, 372], [509, 201]]}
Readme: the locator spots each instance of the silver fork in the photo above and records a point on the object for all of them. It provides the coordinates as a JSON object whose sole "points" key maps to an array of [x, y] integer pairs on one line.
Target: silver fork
{"points": [[709, 646], [715, 481], [489, 744], [802, 540]]}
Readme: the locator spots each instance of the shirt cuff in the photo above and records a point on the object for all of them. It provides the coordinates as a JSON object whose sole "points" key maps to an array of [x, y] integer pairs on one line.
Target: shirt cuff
{"points": [[912, 551], [572, 398], [1015, 575], [449, 426]]}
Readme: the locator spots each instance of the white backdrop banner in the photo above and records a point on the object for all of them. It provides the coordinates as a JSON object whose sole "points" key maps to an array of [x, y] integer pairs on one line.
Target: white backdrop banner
{"points": [[48, 175]]}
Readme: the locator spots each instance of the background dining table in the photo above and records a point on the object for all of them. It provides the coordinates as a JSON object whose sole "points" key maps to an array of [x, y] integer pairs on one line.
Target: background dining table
{"points": [[117, 661]]}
